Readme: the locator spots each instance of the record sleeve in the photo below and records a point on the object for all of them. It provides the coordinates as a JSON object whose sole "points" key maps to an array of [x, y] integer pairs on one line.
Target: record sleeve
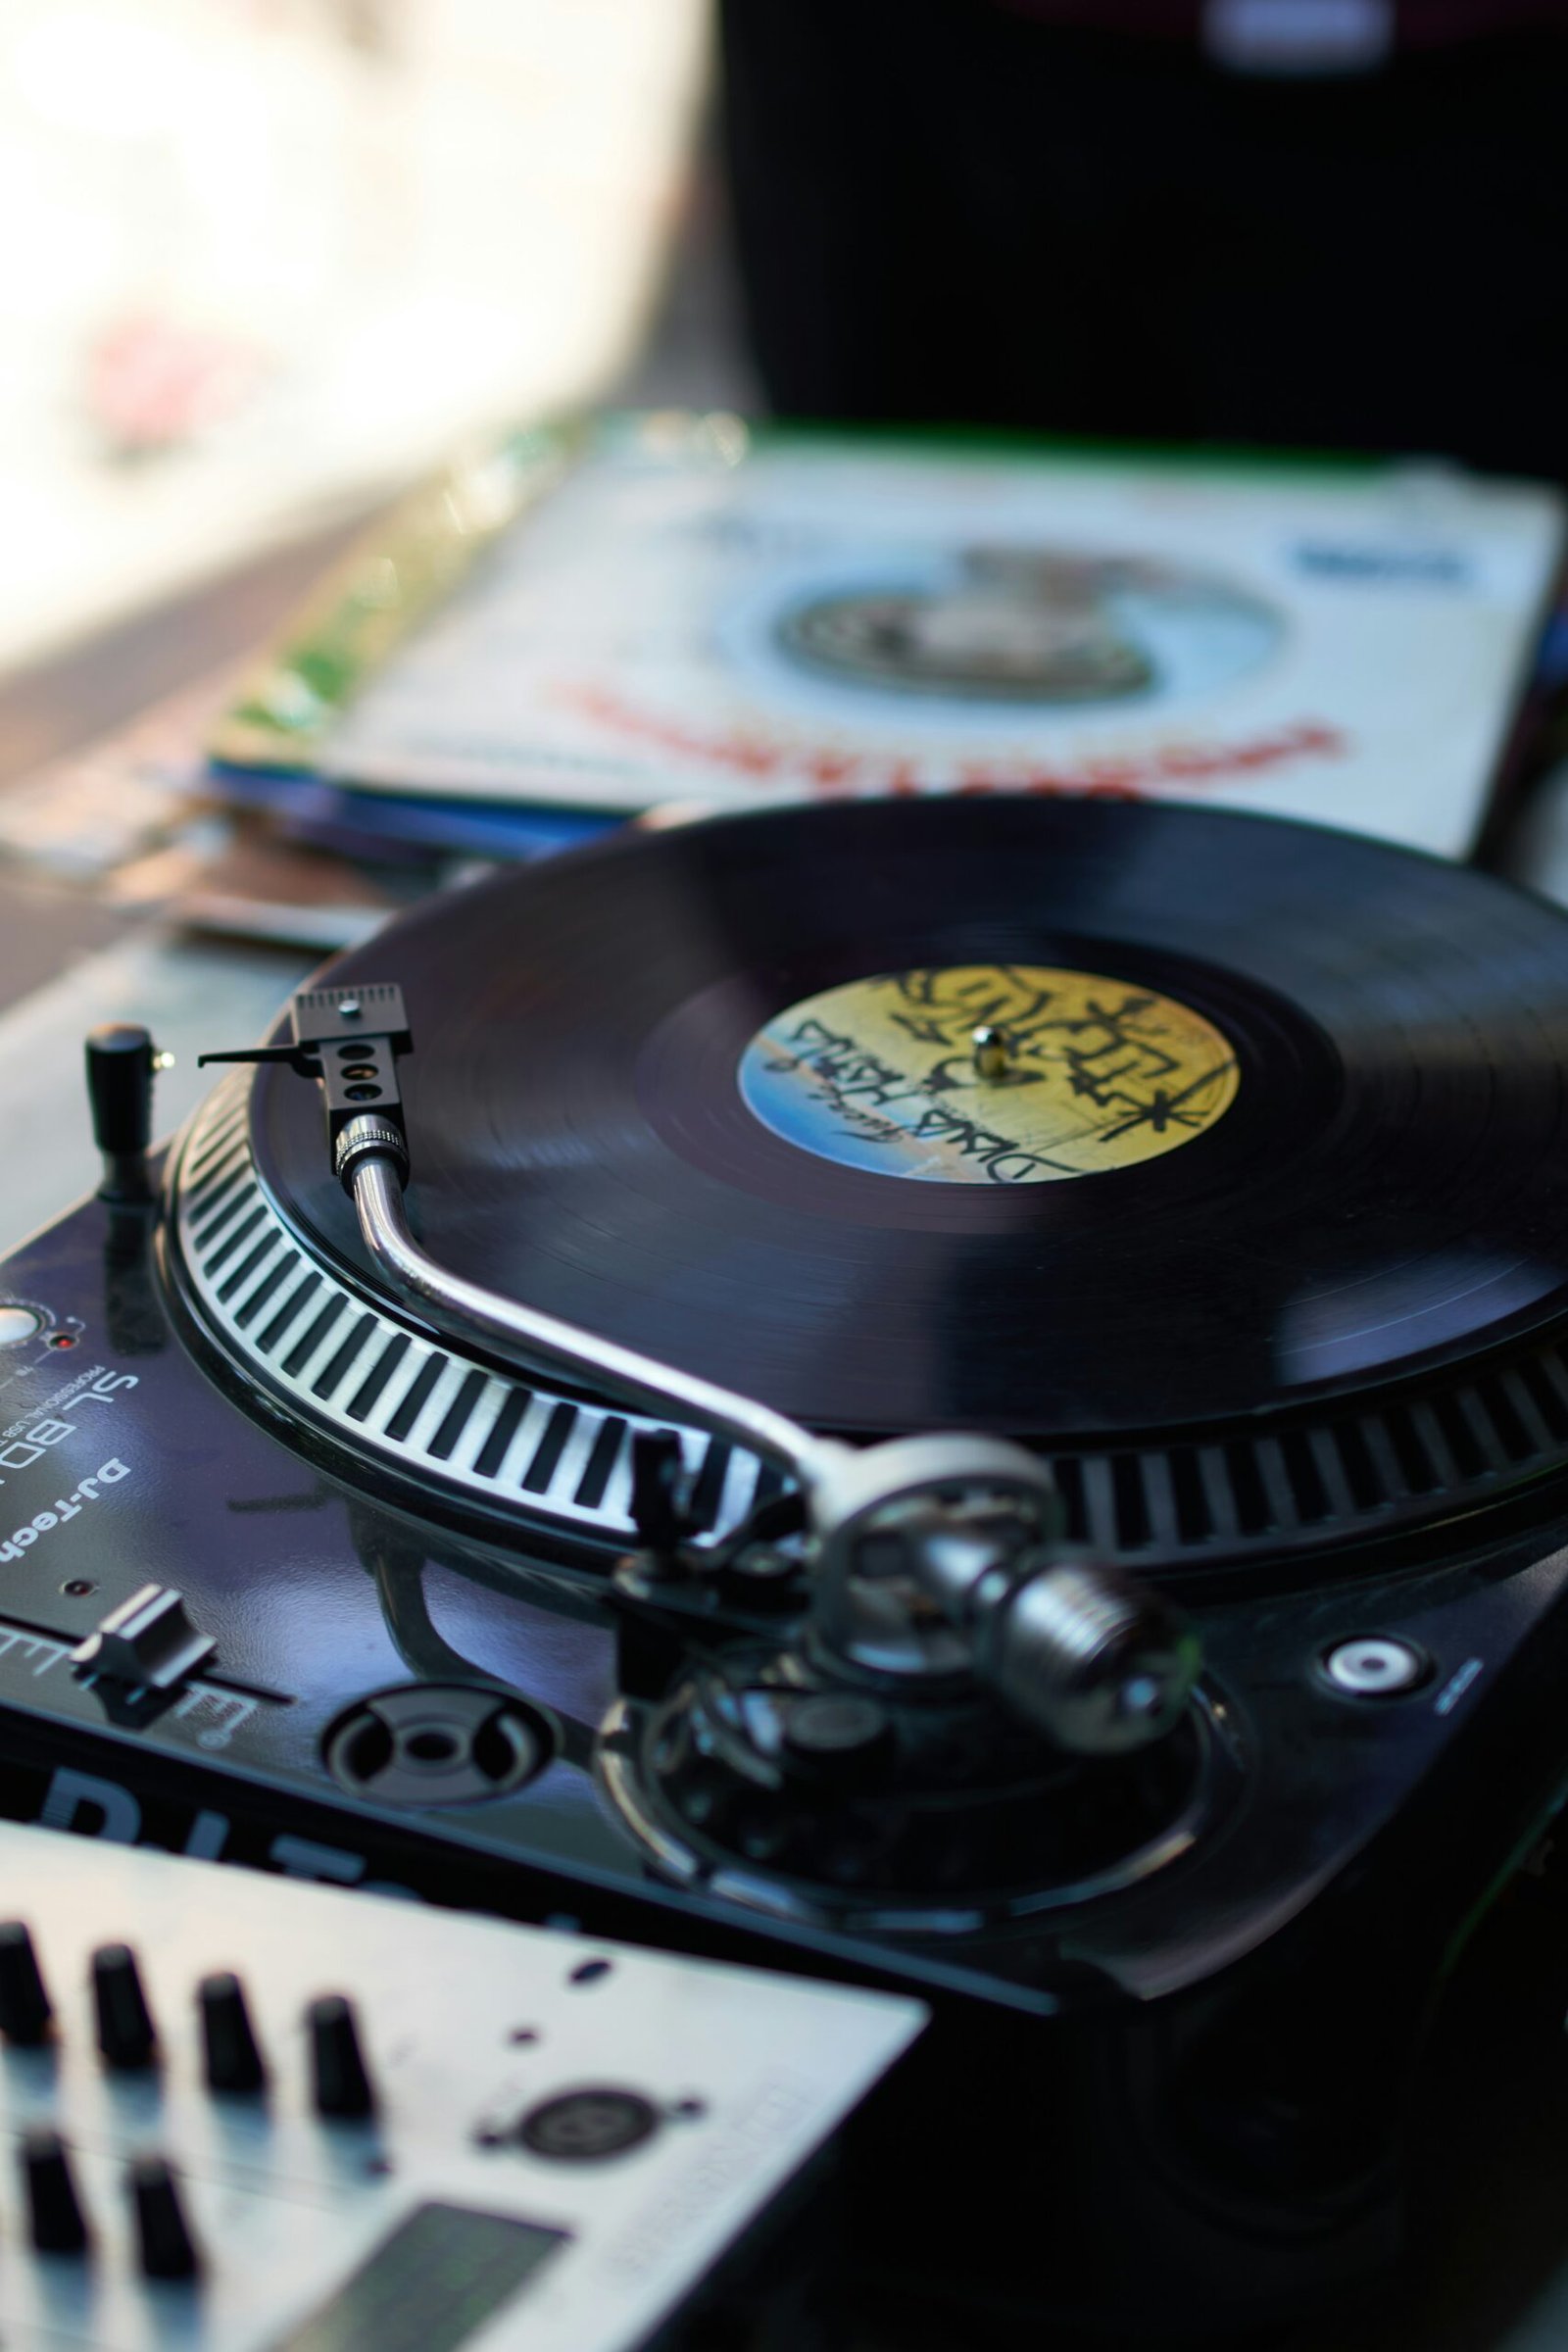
{"points": [[689, 609]]}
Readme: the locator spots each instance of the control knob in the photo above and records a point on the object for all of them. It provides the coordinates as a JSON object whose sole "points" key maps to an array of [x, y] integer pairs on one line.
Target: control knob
{"points": [[339, 2076], [121, 1059], [25, 2005], [163, 2234], [125, 2032], [231, 2058], [54, 2220]]}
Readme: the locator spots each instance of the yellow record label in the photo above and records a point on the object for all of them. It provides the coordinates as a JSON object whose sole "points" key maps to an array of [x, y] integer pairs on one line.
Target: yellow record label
{"points": [[984, 1073]]}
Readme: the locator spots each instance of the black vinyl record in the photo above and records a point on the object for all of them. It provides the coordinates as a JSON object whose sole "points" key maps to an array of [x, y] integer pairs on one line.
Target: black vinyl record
{"points": [[1272, 1113]]}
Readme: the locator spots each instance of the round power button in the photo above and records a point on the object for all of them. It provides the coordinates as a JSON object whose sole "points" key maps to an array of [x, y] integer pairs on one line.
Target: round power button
{"points": [[19, 1323]]}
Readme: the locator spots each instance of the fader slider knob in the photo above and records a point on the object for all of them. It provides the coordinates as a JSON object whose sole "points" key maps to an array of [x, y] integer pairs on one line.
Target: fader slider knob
{"points": [[230, 2056], [339, 2078], [25, 2005], [163, 2236], [55, 2222], [125, 2033]]}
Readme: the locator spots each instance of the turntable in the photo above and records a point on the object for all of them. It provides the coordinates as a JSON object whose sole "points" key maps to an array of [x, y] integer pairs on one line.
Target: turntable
{"points": [[971, 1396]]}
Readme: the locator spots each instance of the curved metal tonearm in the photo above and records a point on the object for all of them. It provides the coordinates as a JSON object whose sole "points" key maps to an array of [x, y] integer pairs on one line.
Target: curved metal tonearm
{"points": [[971, 1522], [1096, 1662], [375, 1187]]}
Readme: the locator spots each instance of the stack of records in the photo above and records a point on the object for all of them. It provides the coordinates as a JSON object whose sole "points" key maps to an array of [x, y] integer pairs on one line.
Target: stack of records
{"points": [[587, 621]]}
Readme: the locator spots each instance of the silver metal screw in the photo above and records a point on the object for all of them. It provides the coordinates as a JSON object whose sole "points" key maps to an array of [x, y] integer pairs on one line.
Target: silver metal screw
{"points": [[993, 1051]]}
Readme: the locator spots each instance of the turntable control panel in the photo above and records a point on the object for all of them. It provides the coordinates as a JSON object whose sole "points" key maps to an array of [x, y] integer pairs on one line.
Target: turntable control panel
{"points": [[239, 2113]]}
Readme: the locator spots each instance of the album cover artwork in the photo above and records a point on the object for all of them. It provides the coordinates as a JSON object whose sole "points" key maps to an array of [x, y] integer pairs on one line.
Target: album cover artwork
{"points": [[691, 610]]}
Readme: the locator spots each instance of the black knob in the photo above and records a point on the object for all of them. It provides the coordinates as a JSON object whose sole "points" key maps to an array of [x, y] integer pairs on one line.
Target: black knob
{"points": [[55, 2220], [163, 2236], [125, 2033], [25, 2008], [228, 2045], [121, 1061], [340, 2082]]}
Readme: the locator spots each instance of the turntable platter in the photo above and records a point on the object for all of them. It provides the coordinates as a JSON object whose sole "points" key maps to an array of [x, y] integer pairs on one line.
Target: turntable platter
{"points": [[1271, 1112]]}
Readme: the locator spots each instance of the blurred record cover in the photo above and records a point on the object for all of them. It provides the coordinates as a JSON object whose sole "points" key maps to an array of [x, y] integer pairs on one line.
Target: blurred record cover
{"points": [[673, 608]]}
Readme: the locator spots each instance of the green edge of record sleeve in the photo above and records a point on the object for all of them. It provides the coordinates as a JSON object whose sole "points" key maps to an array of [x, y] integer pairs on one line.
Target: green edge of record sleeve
{"points": [[411, 561], [986, 444], [391, 579]]}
